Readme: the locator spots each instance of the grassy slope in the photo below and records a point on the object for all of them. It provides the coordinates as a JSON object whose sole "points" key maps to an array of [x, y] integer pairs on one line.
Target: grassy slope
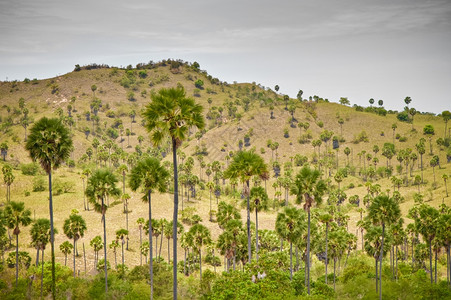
{"points": [[41, 102]]}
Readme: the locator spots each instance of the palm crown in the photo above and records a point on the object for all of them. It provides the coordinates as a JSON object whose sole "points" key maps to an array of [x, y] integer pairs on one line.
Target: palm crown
{"points": [[171, 113], [49, 143]]}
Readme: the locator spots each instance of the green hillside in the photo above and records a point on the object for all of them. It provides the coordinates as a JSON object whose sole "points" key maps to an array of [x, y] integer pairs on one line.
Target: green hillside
{"points": [[105, 104]]}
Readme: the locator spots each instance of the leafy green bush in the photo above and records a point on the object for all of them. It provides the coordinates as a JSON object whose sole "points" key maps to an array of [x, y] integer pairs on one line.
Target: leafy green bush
{"points": [[30, 169], [39, 184]]}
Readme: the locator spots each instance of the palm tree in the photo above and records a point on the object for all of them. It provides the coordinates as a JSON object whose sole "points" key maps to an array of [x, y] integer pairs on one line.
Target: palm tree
{"points": [[16, 216], [40, 236], [85, 175], [140, 223], [383, 211], [426, 223], [114, 245], [290, 224], [201, 236], [149, 175], [66, 248], [122, 234], [8, 179], [244, 166], [125, 198], [171, 114], [50, 143], [74, 228], [101, 185], [258, 201], [96, 243], [310, 187], [326, 219]]}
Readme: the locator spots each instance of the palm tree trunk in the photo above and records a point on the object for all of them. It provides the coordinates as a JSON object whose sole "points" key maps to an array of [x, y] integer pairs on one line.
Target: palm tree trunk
{"points": [[200, 264], [52, 235], [17, 258], [126, 218], [169, 251], [74, 257], [381, 257], [174, 230], [377, 276], [291, 260], [104, 249], [435, 266], [256, 234], [308, 252], [84, 255], [122, 244], [42, 272], [396, 255], [249, 251], [334, 271], [140, 245], [430, 258], [327, 258], [150, 243], [37, 257]]}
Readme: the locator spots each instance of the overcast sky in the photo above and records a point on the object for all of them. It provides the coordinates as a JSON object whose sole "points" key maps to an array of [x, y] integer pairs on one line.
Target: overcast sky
{"points": [[359, 49]]}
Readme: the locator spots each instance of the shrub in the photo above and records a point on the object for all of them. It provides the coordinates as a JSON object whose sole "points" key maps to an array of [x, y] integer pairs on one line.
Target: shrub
{"points": [[39, 184], [199, 83], [30, 169]]}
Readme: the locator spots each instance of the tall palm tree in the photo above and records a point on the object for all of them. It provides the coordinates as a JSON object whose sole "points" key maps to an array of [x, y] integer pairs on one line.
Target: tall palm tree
{"points": [[40, 235], [74, 228], [140, 223], [150, 175], [426, 224], [326, 219], [244, 166], [290, 224], [308, 186], [383, 211], [50, 143], [201, 236], [122, 234], [258, 201], [16, 216], [171, 113], [101, 185], [66, 249]]}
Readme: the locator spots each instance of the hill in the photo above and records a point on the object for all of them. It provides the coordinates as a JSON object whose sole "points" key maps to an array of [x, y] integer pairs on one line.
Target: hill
{"points": [[104, 104]]}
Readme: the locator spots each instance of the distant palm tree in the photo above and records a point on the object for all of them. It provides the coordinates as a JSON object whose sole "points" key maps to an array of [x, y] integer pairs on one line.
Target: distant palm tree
{"points": [[40, 236], [140, 223], [310, 187], [259, 201], [383, 211], [171, 114], [66, 248], [244, 166], [74, 228], [290, 225], [16, 216], [326, 219], [101, 185], [50, 143], [201, 236], [150, 175], [122, 234]]}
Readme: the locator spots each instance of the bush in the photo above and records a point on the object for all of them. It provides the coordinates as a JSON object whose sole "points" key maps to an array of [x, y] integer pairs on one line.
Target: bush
{"points": [[39, 184], [30, 169], [62, 187]]}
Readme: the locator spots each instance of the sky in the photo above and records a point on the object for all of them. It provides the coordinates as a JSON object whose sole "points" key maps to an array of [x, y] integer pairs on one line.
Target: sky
{"points": [[359, 49]]}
